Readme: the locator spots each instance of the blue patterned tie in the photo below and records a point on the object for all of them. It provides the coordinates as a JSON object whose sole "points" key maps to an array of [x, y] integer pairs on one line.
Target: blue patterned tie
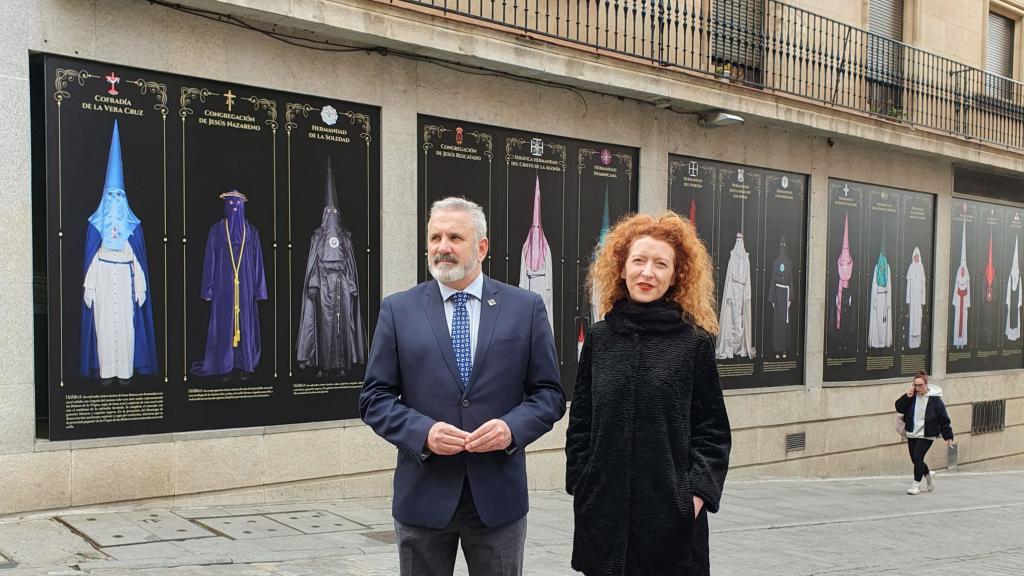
{"points": [[460, 336]]}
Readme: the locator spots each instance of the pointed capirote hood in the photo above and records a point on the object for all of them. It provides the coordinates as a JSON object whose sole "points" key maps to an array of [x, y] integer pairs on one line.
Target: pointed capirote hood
{"points": [[333, 235], [963, 240], [536, 244], [963, 276], [605, 220], [332, 213], [113, 218], [845, 259], [115, 169], [846, 233], [330, 192], [693, 212], [990, 270]]}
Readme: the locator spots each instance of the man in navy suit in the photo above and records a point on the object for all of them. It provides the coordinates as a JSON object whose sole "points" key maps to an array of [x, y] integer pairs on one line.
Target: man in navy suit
{"points": [[462, 376]]}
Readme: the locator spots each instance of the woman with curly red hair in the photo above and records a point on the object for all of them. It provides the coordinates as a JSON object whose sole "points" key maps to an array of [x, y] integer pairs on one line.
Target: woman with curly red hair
{"points": [[648, 443]]}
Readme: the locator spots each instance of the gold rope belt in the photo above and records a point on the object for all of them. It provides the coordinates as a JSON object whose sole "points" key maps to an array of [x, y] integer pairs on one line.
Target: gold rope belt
{"points": [[235, 265]]}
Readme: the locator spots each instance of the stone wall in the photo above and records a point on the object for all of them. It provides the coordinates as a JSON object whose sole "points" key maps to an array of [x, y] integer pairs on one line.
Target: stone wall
{"points": [[848, 426]]}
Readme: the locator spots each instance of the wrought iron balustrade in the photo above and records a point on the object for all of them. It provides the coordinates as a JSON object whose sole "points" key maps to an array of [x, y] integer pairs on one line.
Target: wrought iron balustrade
{"points": [[774, 46]]}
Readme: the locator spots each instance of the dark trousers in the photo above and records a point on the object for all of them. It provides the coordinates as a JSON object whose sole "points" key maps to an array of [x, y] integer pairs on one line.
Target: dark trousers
{"points": [[489, 551], [918, 448]]}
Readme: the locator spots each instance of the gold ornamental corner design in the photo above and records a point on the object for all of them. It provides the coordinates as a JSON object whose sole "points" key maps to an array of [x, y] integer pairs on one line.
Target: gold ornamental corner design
{"points": [[269, 106], [364, 122], [291, 113], [582, 156], [560, 149], [429, 131], [627, 161], [485, 139], [158, 89], [64, 77], [187, 96]]}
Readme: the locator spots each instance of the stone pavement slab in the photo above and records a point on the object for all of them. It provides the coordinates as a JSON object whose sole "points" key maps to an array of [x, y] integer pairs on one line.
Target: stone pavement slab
{"points": [[315, 522], [166, 525], [106, 529], [43, 542], [248, 527]]}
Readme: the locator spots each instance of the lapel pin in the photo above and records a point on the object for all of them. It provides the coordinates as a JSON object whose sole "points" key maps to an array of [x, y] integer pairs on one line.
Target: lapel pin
{"points": [[491, 302]]}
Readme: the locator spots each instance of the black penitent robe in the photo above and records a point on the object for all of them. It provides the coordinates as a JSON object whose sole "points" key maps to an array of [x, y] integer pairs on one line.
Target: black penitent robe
{"points": [[781, 297], [989, 322], [331, 333]]}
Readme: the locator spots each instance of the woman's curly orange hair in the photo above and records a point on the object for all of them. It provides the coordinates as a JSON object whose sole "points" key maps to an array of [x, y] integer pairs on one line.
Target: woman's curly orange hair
{"points": [[694, 288]]}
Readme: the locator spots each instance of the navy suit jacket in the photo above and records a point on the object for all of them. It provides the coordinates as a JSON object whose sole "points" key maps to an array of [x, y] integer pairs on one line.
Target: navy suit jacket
{"points": [[412, 381]]}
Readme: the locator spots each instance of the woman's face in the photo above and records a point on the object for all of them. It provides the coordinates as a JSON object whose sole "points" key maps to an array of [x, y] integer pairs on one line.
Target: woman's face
{"points": [[920, 387], [649, 270]]}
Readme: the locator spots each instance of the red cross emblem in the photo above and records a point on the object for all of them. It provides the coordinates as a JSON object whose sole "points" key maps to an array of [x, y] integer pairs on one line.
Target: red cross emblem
{"points": [[113, 80]]}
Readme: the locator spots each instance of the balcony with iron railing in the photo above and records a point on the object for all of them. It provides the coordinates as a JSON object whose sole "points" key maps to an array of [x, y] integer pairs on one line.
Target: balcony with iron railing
{"points": [[772, 46]]}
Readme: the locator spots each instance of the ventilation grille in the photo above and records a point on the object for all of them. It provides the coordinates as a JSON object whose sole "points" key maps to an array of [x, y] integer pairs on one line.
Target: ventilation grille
{"points": [[796, 442], [988, 416]]}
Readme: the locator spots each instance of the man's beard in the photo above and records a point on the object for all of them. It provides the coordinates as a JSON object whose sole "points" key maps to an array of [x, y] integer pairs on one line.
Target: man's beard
{"points": [[452, 273]]}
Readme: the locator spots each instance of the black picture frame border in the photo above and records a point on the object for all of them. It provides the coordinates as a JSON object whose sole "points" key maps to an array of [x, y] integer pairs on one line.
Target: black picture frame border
{"points": [[677, 161], [865, 203], [42, 86], [999, 202]]}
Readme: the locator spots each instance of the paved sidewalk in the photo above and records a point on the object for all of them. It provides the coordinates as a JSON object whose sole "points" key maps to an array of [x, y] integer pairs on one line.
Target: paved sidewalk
{"points": [[972, 525]]}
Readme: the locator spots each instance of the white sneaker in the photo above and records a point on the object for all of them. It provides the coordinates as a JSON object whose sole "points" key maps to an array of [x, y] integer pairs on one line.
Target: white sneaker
{"points": [[914, 489], [929, 481]]}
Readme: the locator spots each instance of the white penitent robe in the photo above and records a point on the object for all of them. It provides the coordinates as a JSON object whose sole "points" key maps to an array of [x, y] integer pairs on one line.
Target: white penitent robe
{"points": [[961, 303], [114, 285], [540, 281], [1013, 304], [916, 294], [734, 337], [880, 322], [1013, 298]]}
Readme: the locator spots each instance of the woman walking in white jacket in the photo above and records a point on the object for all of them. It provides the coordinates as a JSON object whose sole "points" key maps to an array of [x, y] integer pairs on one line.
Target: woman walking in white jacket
{"points": [[924, 414]]}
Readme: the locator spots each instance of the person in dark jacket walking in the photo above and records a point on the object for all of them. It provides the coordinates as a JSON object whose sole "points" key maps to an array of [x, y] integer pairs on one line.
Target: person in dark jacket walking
{"points": [[648, 441], [925, 418]]}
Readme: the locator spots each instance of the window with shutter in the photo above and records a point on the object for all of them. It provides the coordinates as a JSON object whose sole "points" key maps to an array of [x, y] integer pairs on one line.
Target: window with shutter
{"points": [[885, 56], [999, 55], [738, 36]]}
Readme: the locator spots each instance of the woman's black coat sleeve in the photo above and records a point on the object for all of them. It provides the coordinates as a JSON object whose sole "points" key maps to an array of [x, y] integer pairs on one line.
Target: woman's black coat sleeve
{"points": [[577, 441], [710, 435], [903, 403]]}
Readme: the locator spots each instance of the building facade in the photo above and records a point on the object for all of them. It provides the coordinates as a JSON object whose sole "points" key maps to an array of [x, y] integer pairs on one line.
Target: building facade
{"points": [[871, 199]]}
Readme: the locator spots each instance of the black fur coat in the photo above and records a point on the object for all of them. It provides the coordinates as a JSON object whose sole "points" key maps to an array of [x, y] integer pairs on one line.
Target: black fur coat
{"points": [[647, 430]]}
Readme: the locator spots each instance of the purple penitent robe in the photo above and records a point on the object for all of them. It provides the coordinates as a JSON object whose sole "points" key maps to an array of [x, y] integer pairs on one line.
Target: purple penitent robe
{"points": [[222, 354]]}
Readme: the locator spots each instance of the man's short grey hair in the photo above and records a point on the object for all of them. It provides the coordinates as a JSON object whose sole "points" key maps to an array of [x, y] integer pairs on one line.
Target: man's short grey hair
{"points": [[456, 204]]}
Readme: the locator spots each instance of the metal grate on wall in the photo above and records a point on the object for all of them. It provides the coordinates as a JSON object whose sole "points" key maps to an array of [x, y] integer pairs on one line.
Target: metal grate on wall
{"points": [[796, 442], [988, 416]]}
